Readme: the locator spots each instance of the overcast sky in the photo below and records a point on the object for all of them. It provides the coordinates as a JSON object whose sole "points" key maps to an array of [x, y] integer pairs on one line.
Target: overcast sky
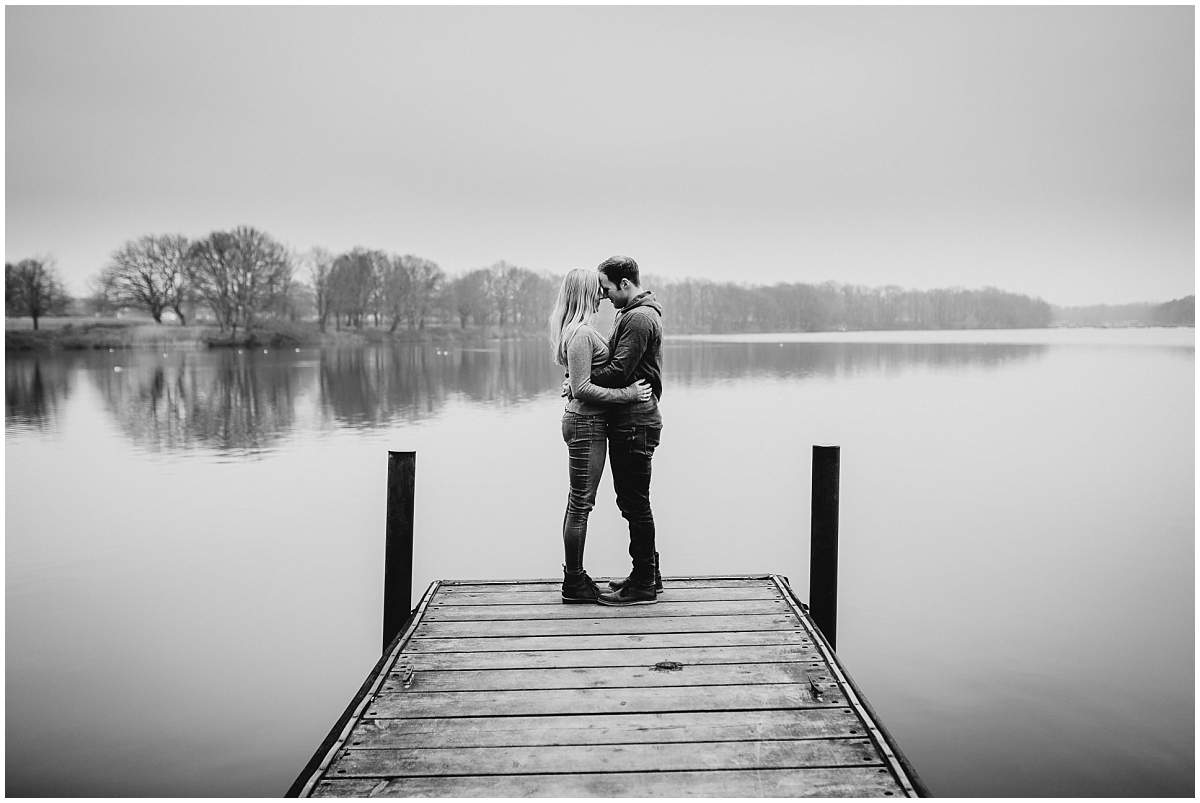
{"points": [[1042, 150]]}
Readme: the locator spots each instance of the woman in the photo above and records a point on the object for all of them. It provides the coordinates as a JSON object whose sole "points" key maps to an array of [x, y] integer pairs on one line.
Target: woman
{"points": [[579, 347]]}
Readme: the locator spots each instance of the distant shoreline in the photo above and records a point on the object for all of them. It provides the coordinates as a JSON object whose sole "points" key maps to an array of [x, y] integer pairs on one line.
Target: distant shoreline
{"points": [[82, 333], [1039, 336]]}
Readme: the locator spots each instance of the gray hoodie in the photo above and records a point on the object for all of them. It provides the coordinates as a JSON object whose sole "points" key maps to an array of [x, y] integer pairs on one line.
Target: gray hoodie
{"points": [[636, 346]]}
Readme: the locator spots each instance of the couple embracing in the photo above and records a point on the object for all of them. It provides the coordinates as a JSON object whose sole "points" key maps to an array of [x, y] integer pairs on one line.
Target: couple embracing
{"points": [[613, 388]]}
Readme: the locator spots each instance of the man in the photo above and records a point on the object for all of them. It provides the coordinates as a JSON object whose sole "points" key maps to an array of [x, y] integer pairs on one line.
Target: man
{"points": [[633, 429]]}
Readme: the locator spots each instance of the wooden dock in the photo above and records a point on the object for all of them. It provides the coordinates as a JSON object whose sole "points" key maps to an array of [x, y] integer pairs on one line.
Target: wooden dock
{"points": [[724, 688]]}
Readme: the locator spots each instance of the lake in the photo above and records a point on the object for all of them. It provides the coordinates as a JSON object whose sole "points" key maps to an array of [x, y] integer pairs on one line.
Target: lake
{"points": [[195, 543]]}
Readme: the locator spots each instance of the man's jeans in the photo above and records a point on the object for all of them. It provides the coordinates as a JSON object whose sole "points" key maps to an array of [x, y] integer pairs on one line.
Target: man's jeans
{"points": [[584, 435], [630, 449]]}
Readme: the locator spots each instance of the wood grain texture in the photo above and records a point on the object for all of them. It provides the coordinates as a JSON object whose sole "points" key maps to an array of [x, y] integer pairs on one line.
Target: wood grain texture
{"points": [[841, 782], [504, 691], [668, 757], [640, 656], [669, 585], [579, 641], [608, 626], [553, 596], [403, 680], [689, 726], [602, 701], [479, 613]]}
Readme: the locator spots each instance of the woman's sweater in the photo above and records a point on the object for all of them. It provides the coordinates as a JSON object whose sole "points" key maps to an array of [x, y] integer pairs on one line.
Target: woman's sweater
{"points": [[585, 350]]}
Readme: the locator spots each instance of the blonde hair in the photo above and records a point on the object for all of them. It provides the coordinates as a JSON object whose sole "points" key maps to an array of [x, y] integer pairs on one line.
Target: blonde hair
{"points": [[578, 300]]}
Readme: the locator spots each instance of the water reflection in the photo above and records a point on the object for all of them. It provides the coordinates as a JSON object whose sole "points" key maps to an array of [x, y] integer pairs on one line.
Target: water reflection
{"points": [[369, 387], [224, 400], [377, 386], [34, 391], [246, 402], [509, 375], [703, 362]]}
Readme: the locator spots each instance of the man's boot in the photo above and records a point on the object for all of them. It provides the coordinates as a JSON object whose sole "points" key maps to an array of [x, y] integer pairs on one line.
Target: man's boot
{"points": [[637, 590], [617, 585]]}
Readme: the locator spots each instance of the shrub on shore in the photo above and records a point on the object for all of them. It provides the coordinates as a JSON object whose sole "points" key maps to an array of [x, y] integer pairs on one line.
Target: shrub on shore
{"points": [[272, 334]]}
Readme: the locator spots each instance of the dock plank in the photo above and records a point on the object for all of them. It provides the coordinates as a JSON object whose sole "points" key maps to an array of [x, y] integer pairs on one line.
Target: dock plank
{"points": [[605, 757], [689, 726], [840, 782], [603, 677], [606, 626], [640, 656], [553, 596], [449, 589], [498, 689], [601, 701], [470, 613], [600, 642]]}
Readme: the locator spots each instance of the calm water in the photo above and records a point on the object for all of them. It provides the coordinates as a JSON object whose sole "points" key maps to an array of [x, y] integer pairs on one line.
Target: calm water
{"points": [[195, 540]]}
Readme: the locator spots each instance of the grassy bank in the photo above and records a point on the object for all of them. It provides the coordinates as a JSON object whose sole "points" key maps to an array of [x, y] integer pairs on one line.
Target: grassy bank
{"points": [[64, 333], [97, 333]]}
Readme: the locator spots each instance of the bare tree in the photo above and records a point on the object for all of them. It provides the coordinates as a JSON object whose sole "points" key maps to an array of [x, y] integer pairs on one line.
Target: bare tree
{"points": [[97, 301], [423, 279], [301, 302], [376, 298], [502, 290], [468, 297], [396, 281], [320, 264], [32, 287], [149, 273], [534, 296], [353, 282], [239, 274]]}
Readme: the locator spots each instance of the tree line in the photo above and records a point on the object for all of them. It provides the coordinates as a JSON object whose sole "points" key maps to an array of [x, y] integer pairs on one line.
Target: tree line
{"points": [[702, 306], [238, 275], [389, 290], [243, 276], [1178, 312]]}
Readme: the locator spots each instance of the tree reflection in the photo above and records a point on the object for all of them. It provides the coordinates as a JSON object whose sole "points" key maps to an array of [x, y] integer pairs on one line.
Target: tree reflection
{"points": [[223, 400], [247, 402], [509, 373], [698, 362], [35, 387], [372, 387]]}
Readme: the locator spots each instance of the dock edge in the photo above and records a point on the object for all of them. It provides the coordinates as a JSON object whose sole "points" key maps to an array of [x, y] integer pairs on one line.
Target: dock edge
{"points": [[316, 766], [899, 764]]}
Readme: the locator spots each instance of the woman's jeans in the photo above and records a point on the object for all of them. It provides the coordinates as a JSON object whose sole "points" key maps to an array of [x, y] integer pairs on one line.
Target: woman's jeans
{"points": [[586, 437]]}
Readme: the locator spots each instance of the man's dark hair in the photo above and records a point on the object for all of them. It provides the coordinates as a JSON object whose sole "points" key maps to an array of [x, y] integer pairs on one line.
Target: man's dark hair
{"points": [[618, 268]]}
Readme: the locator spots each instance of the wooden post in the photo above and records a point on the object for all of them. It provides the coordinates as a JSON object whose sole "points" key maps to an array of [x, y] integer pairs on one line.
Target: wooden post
{"points": [[398, 551], [823, 546]]}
